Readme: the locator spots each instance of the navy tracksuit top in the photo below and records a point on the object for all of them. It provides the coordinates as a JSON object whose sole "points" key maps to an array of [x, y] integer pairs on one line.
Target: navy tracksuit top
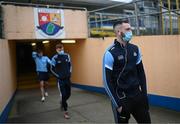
{"points": [[123, 72], [61, 66]]}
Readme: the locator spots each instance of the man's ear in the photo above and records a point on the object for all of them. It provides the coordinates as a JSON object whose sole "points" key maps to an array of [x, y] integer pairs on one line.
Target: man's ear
{"points": [[119, 33], [122, 34]]}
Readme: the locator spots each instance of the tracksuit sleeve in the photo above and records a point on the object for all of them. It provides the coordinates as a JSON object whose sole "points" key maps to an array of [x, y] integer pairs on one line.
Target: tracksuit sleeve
{"points": [[141, 73], [52, 68], [34, 55], [49, 61], [108, 61], [70, 64]]}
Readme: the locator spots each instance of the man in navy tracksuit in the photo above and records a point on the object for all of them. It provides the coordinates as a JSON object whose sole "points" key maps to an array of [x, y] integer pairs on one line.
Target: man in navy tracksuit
{"points": [[62, 70], [124, 77]]}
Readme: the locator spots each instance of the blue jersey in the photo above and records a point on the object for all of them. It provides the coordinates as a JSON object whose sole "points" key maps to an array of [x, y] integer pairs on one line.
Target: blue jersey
{"points": [[41, 62]]}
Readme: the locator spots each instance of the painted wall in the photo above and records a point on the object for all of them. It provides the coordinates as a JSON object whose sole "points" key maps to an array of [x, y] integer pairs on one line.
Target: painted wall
{"points": [[19, 23], [161, 57], [7, 72], [161, 54]]}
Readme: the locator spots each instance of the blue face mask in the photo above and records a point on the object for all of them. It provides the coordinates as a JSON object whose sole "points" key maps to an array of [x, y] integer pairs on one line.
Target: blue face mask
{"points": [[39, 55], [61, 52], [127, 36]]}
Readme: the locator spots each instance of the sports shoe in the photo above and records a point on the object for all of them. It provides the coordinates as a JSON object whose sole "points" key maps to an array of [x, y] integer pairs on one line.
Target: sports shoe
{"points": [[43, 99], [46, 94], [66, 115]]}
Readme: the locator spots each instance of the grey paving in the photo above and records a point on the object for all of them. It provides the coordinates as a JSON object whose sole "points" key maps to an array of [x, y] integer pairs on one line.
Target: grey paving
{"points": [[84, 107]]}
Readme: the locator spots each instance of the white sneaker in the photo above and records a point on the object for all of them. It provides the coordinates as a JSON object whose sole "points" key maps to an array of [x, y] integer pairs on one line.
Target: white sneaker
{"points": [[46, 94], [66, 115], [43, 99]]}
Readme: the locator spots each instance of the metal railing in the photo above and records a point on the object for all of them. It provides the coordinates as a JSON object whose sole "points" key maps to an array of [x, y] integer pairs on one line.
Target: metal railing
{"points": [[145, 20]]}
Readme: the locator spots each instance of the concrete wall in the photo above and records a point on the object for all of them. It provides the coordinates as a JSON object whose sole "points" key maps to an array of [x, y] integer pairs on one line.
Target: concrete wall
{"points": [[19, 23], [7, 72], [161, 57]]}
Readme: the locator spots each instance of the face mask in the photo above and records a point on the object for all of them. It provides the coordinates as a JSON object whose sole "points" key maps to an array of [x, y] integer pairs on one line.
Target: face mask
{"points": [[61, 52], [127, 36], [39, 55]]}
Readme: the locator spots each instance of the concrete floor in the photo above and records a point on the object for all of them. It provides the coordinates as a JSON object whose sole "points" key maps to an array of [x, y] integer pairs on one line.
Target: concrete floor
{"points": [[84, 107]]}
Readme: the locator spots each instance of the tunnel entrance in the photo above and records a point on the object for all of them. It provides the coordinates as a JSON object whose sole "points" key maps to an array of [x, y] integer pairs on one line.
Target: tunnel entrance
{"points": [[24, 61], [26, 69], [26, 75]]}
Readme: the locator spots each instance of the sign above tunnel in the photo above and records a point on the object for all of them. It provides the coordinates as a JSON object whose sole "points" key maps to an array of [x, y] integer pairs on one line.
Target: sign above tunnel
{"points": [[49, 23]]}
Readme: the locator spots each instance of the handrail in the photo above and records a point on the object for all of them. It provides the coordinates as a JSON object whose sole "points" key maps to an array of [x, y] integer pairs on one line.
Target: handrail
{"points": [[139, 15]]}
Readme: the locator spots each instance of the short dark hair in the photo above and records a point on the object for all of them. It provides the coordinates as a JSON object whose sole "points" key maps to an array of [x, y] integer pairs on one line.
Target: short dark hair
{"points": [[119, 22], [59, 45]]}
